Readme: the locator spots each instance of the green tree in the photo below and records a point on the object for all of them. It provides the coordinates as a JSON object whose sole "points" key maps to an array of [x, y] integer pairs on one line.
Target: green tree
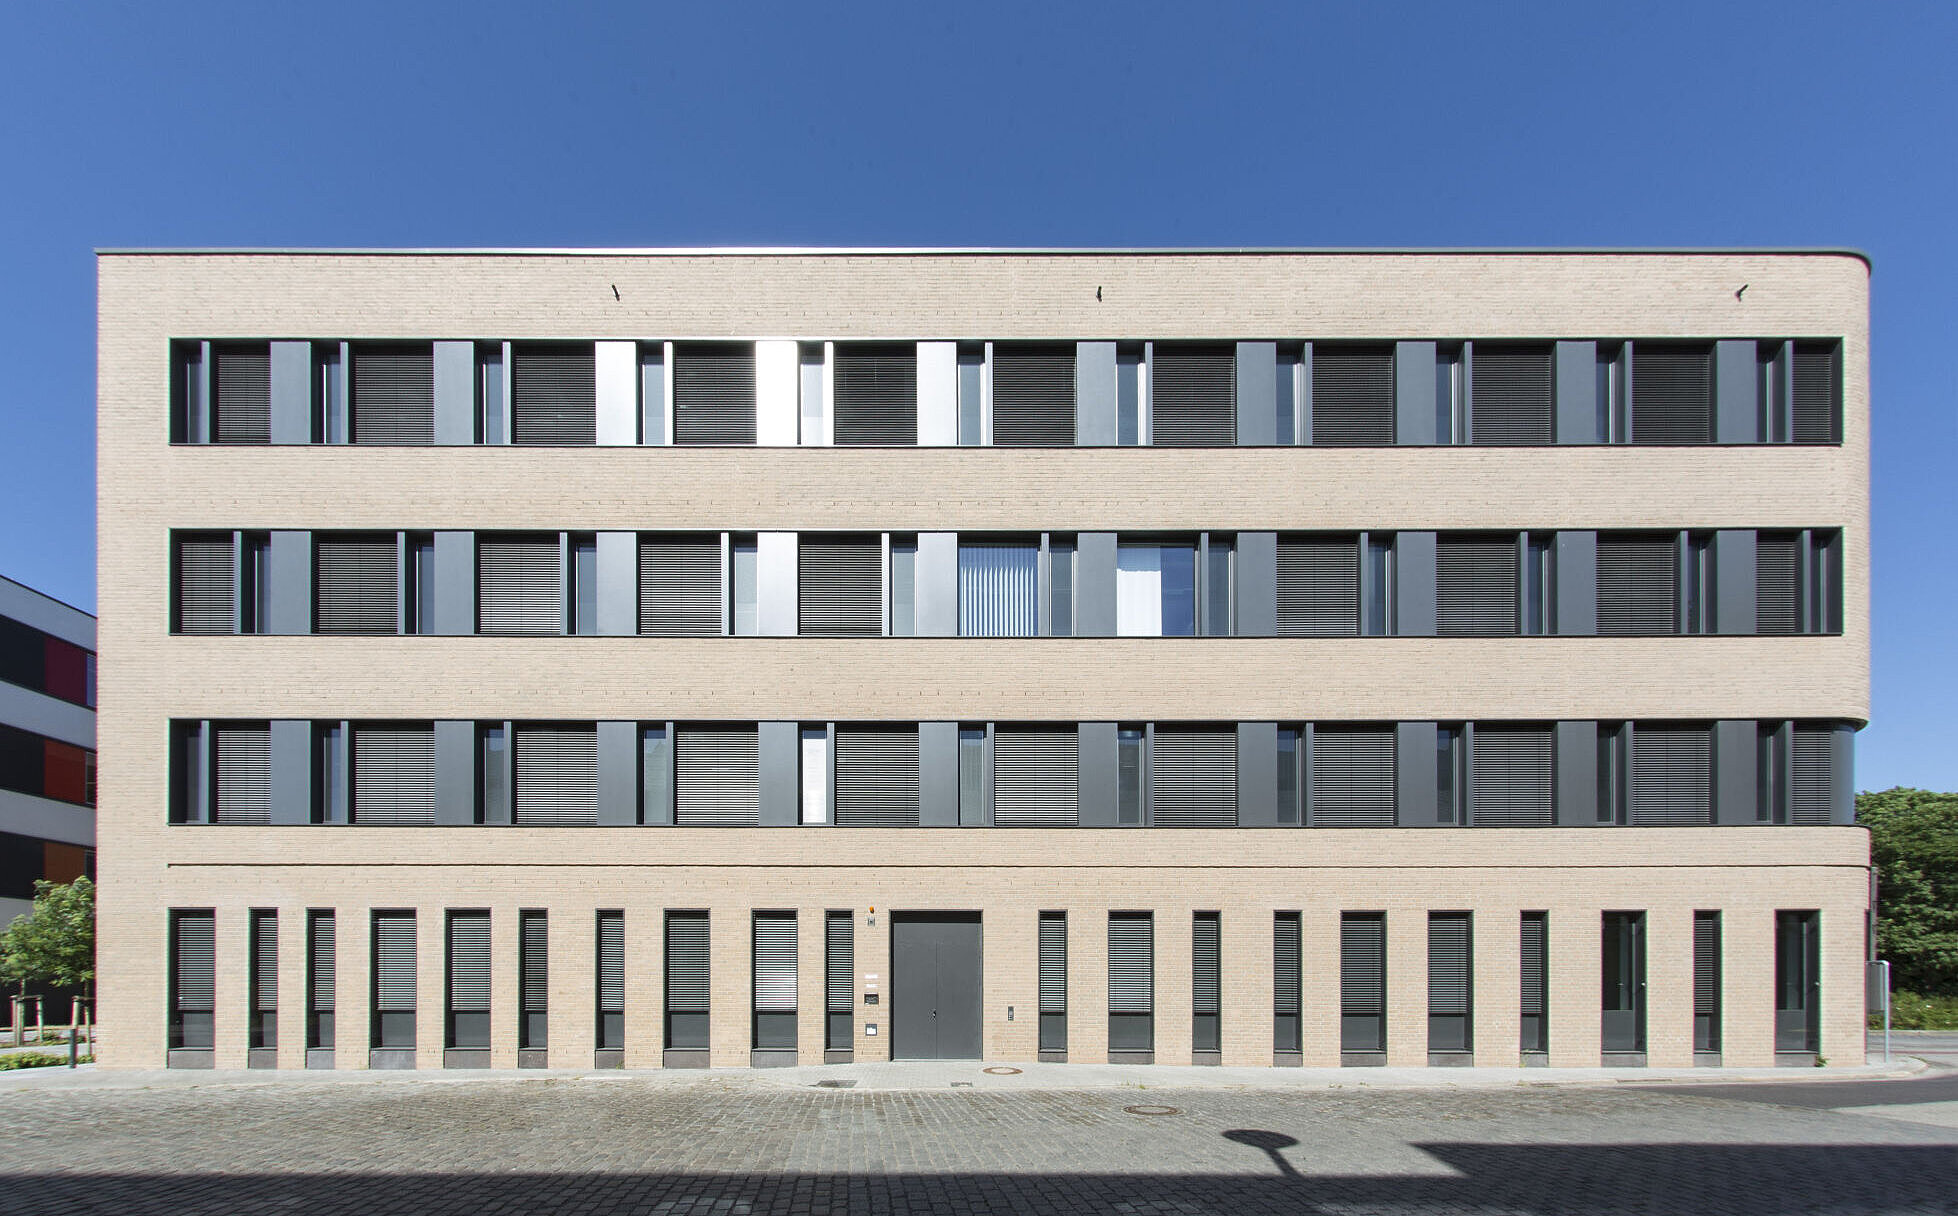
{"points": [[54, 944], [1914, 845]]}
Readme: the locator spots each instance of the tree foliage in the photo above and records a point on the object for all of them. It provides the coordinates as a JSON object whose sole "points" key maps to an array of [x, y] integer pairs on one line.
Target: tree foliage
{"points": [[1914, 844], [54, 944]]}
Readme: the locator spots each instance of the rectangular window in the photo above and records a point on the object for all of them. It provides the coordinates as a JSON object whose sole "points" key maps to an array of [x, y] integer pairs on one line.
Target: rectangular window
{"points": [[1352, 395], [1053, 981], [1033, 395], [1534, 1006], [1672, 774], [1817, 395], [716, 776], [1362, 983], [1217, 615], [533, 980], [1672, 392], [1131, 776], [493, 394], [356, 583], [1614, 411], [1319, 586], [997, 589], [1131, 985], [556, 775], [1514, 394], [393, 393], [840, 586], [774, 983], [1539, 585], [972, 396], [839, 981], [1193, 395], [1510, 783], [193, 962], [255, 583], [1287, 983], [655, 773], [1451, 790], [1352, 782], [419, 585], [583, 608], [207, 583], [493, 790], [744, 613], [189, 421], [1193, 777], [1798, 982], [1696, 608], [714, 393], [1451, 982], [815, 775], [1290, 394], [394, 774], [652, 393], [1155, 590], [1614, 772], [1290, 788], [680, 586], [610, 996], [469, 981], [321, 976], [877, 776], [46, 768], [553, 394], [241, 392], [46, 664], [686, 981], [1060, 587], [1451, 396], [877, 393], [392, 981], [1706, 982], [519, 585], [904, 587], [1477, 585], [1771, 772], [1638, 585], [1206, 984], [1131, 406], [1811, 793], [1622, 1029], [241, 762], [975, 801], [815, 430], [262, 985], [1036, 776], [1377, 587], [1798, 582]]}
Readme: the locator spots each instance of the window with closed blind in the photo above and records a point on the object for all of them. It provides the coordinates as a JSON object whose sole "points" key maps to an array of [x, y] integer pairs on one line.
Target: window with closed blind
{"points": [[1319, 586], [322, 975], [876, 393], [1287, 983], [1033, 395], [394, 774], [393, 981], [717, 781], [1363, 983], [1812, 764], [553, 394], [839, 981], [557, 775], [1533, 1005], [1477, 585], [1053, 982], [1036, 776], [357, 583], [262, 983], [840, 586], [774, 986], [876, 777], [1206, 986], [1193, 394], [1131, 986], [1706, 982], [713, 393], [1672, 774], [392, 401], [1451, 982], [1514, 394], [1352, 395], [1510, 770], [1817, 392], [680, 586], [1193, 777], [533, 980], [1672, 392], [686, 981], [193, 985], [1352, 777], [468, 1020], [1638, 584], [241, 392], [207, 583], [1798, 582], [610, 977], [241, 764], [520, 585]]}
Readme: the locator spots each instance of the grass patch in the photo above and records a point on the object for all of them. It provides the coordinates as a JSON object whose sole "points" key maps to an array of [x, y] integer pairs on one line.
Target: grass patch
{"points": [[37, 1059], [1911, 1011]]}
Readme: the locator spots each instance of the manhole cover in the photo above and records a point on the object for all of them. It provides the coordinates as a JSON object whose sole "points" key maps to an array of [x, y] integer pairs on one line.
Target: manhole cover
{"points": [[1152, 1110], [836, 1085], [1001, 1070]]}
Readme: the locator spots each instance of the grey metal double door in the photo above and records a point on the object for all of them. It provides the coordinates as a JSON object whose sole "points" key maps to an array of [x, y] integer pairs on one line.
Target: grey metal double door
{"points": [[937, 963]]}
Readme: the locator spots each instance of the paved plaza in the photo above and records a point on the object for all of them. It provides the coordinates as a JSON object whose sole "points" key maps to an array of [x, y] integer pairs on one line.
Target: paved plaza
{"points": [[962, 1141]]}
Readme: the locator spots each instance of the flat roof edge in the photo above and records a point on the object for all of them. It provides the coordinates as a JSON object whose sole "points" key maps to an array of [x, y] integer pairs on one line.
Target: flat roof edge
{"points": [[992, 251]]}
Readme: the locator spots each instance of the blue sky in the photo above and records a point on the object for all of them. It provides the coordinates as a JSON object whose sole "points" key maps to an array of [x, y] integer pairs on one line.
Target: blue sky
{"points": [[1794, 123]]}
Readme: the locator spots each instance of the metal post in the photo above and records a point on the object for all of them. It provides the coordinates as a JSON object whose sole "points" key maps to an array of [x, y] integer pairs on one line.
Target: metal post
{"points": [[74, 1024]]}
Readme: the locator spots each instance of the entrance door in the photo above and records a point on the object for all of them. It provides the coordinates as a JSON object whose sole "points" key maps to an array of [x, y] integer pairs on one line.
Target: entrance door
{"points": [[1797, 958], [936, 964], [1623, 1028]]}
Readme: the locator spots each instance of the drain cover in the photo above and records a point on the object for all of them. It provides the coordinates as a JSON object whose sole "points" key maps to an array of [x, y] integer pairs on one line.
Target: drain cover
{"points": [[1152, 1110], [961, 1085], [1001, 1070], [836, 1084]]}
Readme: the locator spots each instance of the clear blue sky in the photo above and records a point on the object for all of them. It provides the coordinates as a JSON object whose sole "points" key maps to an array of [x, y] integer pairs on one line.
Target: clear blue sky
{"points": [[1795, 123]]}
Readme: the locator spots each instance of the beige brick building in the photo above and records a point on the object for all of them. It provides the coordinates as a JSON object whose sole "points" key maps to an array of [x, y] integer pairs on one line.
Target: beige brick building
{"points": [[660, 658]]}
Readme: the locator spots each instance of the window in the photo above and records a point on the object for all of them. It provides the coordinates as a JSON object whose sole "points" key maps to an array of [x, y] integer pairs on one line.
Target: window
{"points": [[1706, 981], [1291, 753], [320, 980], [1377, 616], [1622, 959], [468, 1018], [610, 996], [207, 583], [1131, 776], [877, 776], [1033, 395], [774, 983], [1193, 777], [356, 584], [1638, 585], [332, 797], [1811, 785], [997, 589], [46, 768], [1672, 774], [262, 984], [1131, 985], [815, 775], [680, 586], [1510, 776], [1352, 776], [240, 392], [556, 775], [1451, 396], [1363, 983], [839, 981], [975, 792], [816, 429], [255, 583], [1514, 393], [419, 607], [393, 982], [1206, 984], [656, 773], [1352, 395], [1193, 395], [1614, 772], [653, 417], [46, 664], [714, 393], [1798, 582], [533, 980], [904, 587], [1798, 982], [1614, 409], [1534, 1006], [744, 612], [1217, 602], [241, 764], [1291, 394], [1131, 397], [877, 393], [394, 774], [686, 981], [519, 588], [717, 779], [1287, 983], [583, 553], [393, 397], [493, 787], [972, 396], [840, 586], [193, 988], [1451, 982], [1817, 392], [1053, 981], [1477, 585], [1451, 790], [1539, 585], [1060, 586], [1036, 776], [553, 394], [1696, 610], [1155, 590], [1672, 392], [493, 394], [1319, 586]]}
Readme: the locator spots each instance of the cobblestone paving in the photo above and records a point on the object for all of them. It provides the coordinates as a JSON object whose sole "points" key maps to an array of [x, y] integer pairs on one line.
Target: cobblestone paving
{"points": [[722, 1148]]}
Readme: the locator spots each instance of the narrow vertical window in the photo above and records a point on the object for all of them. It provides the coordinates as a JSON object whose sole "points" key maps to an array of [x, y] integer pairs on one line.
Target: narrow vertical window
{"points": [[1534, 1005], [329, 394], [1377, 593], [255, 579], [1706, 986], [652, 393], [1130, 776], [1290, 805], [419, 610], [1797, 983], [1217, 614], [611, 990], [1451, 983], [815, 775], [392, 983], [973, 802], [1206, 987], [1622, 1030], [972, 394], [1451, 397], [1131, 418], [1539, 586], [1451, 787], [815, 415], [1362, 987], [321, 976], [1131, 987], [189, 396], [1771, 773], [1696, 615], [468, 1015], [1288, 396], [533, 986], [839, 987], [1287, 986], [687, 986], [774, 988], [744, 612], [904, 587], [1614, 419], [1613, 773], [193, 955], [584, 583], [262, 989], [492, 418], [655, 774], [493, 799], [1060, 587], [1053, 986]]}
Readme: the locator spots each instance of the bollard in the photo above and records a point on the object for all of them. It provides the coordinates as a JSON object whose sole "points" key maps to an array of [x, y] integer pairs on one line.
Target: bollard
{"points": [[74, 1024]]}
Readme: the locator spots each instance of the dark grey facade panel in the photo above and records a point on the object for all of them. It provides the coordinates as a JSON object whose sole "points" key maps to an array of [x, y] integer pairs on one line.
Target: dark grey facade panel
{"points": [[292, 771], [1414, 392], [1842, 774], [1577, 774], [1094, 585], [1193, 394], [290, 392], [1256, 589], [1096, 416], [1736, 771], [938, 774], [1734, 569], [1414, 584], [1257, 394], [1576, 575], [453, 382], [777, 770], [1577, 393], [289, 579], [455, 583], [1415, 802], [1257, 774], [1097, 778], [618, 774], [1737, 405], [455, 772]]}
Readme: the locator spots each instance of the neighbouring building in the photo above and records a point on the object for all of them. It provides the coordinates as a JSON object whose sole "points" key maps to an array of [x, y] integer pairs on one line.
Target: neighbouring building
{"points": [[47, 747], [668, 658]]}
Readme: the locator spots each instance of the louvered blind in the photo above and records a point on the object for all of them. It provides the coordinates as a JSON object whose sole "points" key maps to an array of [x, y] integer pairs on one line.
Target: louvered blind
{"points": [[680, 586], [356, 584], [876, 777], [244, 773], [469, 962], [686, 962], [393, 398], [553, 394], [1319, 587], [876, 386], [1131, 962], [840, 587], [1672, 775], [394, 962], [1194, 778], [207, 583], [1638, 585], [320, 964], [1535, 950], [1706, 964], [196, 986], [1510, 777], [839, 962], [611, 962], [1778, 583], [1353, 776], [265, 962], [775, 962], [241, 392], [717, 779], [1672, 392], [997, 590], [1206, 963], [534, 968], [1362, 965], [1476, 586], [557, 776], [1448, 964], [1033, 395], [1287, 952], [394, 775], [1036, 777], [518, 586], [1514, 395], [714, 392], [1814, 746], [1815, 392], [1053, 962], [1352, 396], [1193, 395]]}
